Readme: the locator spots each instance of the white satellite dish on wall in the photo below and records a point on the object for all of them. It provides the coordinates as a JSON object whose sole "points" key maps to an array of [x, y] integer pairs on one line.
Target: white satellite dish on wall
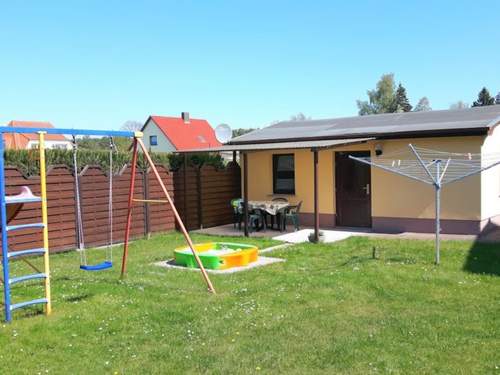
{"points": [[223, 133]]}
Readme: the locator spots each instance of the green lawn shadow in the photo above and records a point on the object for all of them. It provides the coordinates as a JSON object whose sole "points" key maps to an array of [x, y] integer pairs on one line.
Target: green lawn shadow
{"points": [[483, 258]]}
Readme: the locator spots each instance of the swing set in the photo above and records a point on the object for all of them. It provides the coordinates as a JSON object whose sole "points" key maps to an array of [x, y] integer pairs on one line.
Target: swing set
{"points": [[108, 263], [11, 205]]}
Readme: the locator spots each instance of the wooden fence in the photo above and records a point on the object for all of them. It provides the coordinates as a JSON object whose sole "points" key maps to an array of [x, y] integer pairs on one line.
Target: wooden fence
{"points": [[203, 195], [208, 193]]}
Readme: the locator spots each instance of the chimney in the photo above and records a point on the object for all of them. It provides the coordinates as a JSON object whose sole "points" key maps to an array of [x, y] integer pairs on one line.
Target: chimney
{"points": [[185, 117]]}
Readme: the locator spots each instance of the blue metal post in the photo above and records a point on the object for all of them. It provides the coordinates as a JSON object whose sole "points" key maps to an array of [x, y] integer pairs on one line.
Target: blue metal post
{"points": [[90, 132], [5, 246]]}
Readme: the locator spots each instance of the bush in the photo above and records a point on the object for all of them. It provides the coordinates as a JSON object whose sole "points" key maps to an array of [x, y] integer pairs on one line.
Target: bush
{"points": [[196, 160]]}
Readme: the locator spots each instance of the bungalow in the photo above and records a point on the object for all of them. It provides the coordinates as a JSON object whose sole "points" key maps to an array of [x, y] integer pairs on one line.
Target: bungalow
{"points": [[168, 134], [308, 161]]}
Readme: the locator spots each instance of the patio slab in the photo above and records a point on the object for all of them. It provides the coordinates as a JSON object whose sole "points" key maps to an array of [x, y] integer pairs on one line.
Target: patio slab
{"points": [[230, 231], [303, 236], [336, 234]]}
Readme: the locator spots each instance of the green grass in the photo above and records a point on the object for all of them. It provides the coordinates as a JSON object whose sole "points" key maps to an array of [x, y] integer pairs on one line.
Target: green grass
{"points": [[327, 309]]}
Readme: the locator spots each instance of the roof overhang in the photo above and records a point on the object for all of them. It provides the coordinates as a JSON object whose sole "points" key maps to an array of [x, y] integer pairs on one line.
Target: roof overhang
{"points": [[313, 145]]}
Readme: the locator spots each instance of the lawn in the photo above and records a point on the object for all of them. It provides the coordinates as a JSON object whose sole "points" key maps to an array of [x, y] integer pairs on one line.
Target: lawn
{"points": [[327, 309]]}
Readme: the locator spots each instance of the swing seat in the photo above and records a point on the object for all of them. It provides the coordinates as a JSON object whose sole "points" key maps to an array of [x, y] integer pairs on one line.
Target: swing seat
{"points": [[97, 267]]}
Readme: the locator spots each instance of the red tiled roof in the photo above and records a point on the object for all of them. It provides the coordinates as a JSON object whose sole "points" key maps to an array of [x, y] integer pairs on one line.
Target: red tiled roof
{"points": [[20, 141], [185, 136]]}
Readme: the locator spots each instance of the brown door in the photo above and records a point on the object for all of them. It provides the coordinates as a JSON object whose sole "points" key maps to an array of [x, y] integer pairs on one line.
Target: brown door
{"points": [[353, 190]]}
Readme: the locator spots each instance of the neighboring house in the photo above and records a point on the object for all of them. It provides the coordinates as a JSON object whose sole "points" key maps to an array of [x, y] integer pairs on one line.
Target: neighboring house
{"points": [[167, 134], [351, 194], [25, 141]]}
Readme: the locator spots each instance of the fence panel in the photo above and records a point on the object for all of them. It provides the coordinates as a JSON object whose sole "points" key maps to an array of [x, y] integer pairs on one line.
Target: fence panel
{"points": [[203, 201], [208, 194]]}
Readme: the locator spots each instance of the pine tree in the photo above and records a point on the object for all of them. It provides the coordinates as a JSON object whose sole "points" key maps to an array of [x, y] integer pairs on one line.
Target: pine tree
{"points": [[484, 98], [402, 102]]}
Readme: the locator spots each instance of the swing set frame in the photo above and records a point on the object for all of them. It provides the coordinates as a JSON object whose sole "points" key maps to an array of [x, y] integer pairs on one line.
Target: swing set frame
{"points": [[137, 143]]}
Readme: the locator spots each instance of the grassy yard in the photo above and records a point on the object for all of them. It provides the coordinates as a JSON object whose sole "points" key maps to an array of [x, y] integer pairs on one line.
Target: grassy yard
{"points": [[327, 309]]}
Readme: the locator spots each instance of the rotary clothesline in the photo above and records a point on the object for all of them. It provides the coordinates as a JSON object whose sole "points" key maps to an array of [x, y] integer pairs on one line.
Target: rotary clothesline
{"points": [[433, 167]]}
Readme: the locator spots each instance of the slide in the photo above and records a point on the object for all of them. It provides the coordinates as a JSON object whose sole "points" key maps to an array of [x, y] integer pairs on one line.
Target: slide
{"points": [[15, 202]]}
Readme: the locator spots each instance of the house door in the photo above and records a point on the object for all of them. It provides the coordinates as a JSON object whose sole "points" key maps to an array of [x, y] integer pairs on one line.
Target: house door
{"points": [[353, 190]]}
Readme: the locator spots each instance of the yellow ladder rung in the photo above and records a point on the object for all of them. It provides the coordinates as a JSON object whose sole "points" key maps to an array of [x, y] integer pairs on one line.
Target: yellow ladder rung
{"points": [[150, 200]]}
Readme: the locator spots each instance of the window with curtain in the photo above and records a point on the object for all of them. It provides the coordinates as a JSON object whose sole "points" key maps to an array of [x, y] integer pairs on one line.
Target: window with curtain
{"points": [[283, 174]]}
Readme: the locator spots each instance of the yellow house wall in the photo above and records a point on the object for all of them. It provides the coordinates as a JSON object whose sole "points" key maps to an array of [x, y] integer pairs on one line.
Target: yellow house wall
{"points": [[392, 195]]}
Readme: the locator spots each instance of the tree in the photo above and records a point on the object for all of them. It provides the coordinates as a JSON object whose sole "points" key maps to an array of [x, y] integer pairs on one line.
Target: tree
{"points": [[241, 131], [402, 102], [483, 98], [382, 99], [459, 105], [423, 105], [497, 98], [299, 117], [131, 125]]}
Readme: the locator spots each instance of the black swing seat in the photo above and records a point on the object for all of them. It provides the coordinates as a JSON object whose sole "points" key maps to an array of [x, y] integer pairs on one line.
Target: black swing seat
{"points": [[97, 267]]}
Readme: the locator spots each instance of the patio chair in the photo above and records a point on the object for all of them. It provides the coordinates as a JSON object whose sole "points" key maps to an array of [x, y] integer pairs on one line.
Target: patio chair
{"points": [[278, 214], [237, 211], [256, 220], [280, 199], [292, 214]]}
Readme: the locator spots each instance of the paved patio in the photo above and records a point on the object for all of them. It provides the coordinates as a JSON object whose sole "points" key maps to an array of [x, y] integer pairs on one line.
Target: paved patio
{"points": [[334, 234]]}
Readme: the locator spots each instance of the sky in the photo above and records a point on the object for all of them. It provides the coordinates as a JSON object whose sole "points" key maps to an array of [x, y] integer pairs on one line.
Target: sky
{"points": [[96, 64]]}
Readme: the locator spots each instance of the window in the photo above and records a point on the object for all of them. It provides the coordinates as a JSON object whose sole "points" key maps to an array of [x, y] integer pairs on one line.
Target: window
{"points": [[153, 140], [283, 174], [59, 146]]}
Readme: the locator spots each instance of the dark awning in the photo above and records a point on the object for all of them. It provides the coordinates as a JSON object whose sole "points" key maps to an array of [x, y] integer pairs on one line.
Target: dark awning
{"points": [[280, 145]]}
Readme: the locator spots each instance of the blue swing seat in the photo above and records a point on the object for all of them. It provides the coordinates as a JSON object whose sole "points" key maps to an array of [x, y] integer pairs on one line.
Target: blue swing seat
{"points": [[97, 267]]}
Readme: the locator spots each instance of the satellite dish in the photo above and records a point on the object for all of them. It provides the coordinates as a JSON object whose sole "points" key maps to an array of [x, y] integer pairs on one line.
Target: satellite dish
{"points": [[223, 133]]}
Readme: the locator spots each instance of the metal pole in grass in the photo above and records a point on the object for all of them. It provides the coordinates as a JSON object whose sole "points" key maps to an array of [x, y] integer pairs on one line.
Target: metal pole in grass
{"points": [[177, 216], [438, 210], [457, 167], [5, 246], [437, 187], [45, 221]]}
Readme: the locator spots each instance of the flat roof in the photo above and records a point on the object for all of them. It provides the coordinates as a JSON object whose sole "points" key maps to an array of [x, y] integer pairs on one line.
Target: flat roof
{"points": [[279, 146], [468, 120]]}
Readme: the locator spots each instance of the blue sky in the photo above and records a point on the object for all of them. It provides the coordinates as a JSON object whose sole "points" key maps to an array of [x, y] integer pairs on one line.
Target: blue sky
{"points": [[97, 64]]}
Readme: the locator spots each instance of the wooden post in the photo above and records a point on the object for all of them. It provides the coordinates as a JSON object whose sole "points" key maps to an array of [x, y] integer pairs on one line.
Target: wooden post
{"points": [[145, 194], [316, 198], [245, 192], [184, 176], [177, 217], [129, 210], [199, 197]]}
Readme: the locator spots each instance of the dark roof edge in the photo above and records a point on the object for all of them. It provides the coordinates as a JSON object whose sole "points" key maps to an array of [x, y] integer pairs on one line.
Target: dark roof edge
{"points": [[414, 134]]}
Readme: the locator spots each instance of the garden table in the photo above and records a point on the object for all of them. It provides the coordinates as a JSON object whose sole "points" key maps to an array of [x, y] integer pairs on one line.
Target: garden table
{"points": [[271, 207]]}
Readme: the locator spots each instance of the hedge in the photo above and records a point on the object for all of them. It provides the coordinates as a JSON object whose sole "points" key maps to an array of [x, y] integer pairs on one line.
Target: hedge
{"points": [[27, 160]]}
